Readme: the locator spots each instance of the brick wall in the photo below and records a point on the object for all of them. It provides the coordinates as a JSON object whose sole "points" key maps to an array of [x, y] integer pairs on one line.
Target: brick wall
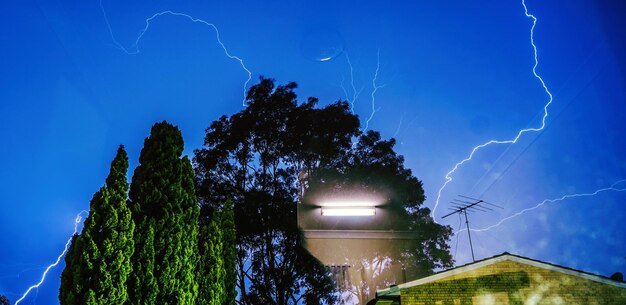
{"points": [[511, 282]]}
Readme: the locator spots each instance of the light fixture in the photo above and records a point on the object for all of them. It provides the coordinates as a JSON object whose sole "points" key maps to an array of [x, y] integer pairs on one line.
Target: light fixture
{"points": [[348, 203], [348, 211]]}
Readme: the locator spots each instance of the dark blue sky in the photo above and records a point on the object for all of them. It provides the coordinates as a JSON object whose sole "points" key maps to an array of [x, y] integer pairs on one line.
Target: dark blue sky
{"points": [[456, 74]]}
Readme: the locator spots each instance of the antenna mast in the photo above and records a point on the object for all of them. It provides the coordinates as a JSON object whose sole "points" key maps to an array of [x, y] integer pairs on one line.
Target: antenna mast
{"points": [[463, 205]]}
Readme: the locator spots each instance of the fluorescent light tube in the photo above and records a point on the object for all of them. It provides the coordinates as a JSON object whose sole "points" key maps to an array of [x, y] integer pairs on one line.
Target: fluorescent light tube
{"points": [[348, 211], [347, 203]]}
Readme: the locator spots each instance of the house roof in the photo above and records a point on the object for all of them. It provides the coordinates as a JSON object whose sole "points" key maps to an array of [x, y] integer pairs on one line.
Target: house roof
{"points": [[500, 258]]}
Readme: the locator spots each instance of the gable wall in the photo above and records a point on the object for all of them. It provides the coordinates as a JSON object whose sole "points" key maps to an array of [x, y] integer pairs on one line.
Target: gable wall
{"points": [[511, 282]]}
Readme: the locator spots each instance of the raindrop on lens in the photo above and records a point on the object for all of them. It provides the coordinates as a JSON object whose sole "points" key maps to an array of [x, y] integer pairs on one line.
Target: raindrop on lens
{"points": [[321, 45]]}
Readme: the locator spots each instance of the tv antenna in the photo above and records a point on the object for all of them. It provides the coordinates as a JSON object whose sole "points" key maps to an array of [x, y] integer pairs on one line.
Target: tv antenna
{"points": [[470, 204]]}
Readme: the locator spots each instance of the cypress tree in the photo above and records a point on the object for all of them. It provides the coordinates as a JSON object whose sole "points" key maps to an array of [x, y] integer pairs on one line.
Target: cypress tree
{"points": [[72, 287], [165, 210], [98, 261], [229, 253], [142, 286], [211, 273]]}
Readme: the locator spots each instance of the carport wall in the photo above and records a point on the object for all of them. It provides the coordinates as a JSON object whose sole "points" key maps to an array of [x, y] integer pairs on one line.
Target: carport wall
{"points": [[510, 279]]}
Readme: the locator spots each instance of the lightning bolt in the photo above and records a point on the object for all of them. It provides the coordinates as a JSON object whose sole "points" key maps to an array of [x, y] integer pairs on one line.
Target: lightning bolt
{"points": [[375, 88], [448, 176], [79, 217], [612, 188], [355, 93], [135, 50], [395, 134], [192, 19]]}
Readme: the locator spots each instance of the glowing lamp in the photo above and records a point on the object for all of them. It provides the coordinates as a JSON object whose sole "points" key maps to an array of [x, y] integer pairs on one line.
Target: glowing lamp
{"points": [[348, 211], [348, 203]]}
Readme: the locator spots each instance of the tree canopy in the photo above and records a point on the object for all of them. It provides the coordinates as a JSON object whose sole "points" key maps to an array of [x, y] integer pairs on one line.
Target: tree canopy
{"points": [[268, 157], [372, 166], [165, 211], [211, 271], [239, 240], [98, 260]]}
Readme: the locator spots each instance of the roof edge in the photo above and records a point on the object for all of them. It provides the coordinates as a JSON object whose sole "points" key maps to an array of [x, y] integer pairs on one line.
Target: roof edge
{"points": [[511, 257]]}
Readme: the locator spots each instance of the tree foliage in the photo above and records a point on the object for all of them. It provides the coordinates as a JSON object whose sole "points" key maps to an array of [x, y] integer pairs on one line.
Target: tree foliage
{"points": [[267, 156], [160, 247], [165, 210], [98, 260], [211, 271], [253, 157], [72, 290], [229, 253], [372, 166], [4, 300]]}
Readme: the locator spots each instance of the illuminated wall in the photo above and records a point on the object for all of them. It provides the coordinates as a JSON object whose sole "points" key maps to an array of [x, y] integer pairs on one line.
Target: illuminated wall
{"points": [[362, 251], [514, 282]]}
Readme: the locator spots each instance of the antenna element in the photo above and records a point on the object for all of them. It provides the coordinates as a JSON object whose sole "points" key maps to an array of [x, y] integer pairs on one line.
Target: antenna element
{"points": [[462, 206]]}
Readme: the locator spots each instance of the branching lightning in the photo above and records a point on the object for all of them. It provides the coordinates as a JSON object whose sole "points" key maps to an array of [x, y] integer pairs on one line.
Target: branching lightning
{"points": [[613, 188], [356, 93], [448, 176], [135, 47], [79, 217]]}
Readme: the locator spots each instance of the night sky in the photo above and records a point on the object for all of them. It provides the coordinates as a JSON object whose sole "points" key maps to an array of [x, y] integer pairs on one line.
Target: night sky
{"points": [[451, 75]]}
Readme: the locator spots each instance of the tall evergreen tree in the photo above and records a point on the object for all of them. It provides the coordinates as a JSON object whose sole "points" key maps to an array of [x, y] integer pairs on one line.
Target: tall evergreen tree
{"points": [[165, 210], [98, 261], [211, 272], [72, 288], [142, 286], [229, 251]]}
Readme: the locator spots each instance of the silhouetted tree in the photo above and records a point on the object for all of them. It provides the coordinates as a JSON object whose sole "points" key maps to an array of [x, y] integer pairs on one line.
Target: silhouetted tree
{"points": [[265, 156], [4, 300], [165, 211], [371, 166], [617, 276], [252, 157], [374, 167], [98, 261]]}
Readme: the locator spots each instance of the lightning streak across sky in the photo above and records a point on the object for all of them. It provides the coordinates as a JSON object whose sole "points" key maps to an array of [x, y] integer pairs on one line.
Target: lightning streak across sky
{"points": [[192, 19], [448, 176], [375, 88], [395, 134], [79, 217], [613, 188], [356, 93]]}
